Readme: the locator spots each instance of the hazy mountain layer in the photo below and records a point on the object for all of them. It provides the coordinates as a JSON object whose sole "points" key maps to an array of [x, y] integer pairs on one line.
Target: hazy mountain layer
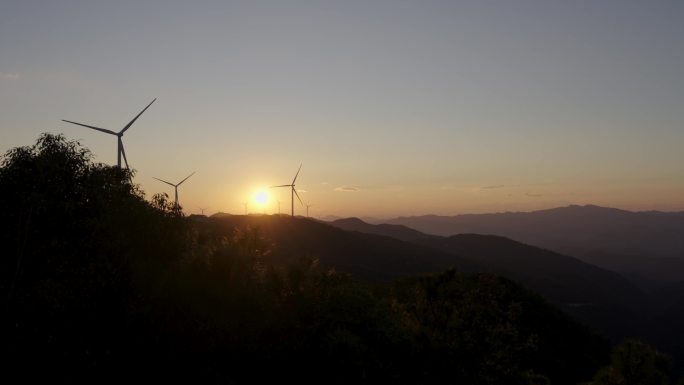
{"points": [[647, 247]]}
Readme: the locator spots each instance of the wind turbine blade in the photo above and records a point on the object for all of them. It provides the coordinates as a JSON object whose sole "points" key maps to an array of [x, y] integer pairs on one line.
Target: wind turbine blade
{"points": [[300, 199], [297, 174], [161, 180], [186, 178], [94, 128], [123, 152], [282, 185], [136, 117]]}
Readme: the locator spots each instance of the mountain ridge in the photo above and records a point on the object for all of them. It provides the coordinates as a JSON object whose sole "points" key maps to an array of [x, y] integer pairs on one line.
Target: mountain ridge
{"points": [[604, 296], [645, 246]]}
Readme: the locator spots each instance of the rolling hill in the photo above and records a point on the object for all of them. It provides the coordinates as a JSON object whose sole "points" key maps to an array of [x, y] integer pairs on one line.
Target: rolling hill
{"points": [[617, 308], [395, 231], [600, 297], [646, 247], [366, 256]]}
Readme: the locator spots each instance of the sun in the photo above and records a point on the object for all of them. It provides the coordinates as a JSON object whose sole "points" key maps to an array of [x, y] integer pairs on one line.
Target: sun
{"points": [[261, 198]]}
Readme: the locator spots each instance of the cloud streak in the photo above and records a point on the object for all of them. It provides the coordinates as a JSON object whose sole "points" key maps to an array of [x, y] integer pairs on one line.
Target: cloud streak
{"points": [[9, 76], [493, 187], [347, 188]]}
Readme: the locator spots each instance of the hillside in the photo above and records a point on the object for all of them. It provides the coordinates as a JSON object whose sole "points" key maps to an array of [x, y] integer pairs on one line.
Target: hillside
{"points": [[646, 247], [395, 231], [600, 297], [367, 256], [517, 260]]}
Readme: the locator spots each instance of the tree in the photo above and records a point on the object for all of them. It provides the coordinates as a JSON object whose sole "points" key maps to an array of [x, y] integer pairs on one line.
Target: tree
{"points": [[79, 242], [634, 363]]}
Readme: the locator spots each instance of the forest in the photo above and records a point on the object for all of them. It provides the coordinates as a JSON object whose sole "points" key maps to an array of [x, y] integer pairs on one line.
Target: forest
{"points": [[103, 284]]}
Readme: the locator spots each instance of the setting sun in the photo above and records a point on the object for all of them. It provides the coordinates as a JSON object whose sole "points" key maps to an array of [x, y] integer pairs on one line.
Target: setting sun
{"points": [[261, 198]]}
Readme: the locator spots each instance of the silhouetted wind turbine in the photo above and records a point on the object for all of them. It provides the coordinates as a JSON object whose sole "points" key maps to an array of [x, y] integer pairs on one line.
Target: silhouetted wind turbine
{"points": [[175, 186], [307, 209], [120, 148], [294, 191], [202, 210]]}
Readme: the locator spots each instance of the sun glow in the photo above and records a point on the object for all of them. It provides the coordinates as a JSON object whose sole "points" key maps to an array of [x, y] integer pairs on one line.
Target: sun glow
{"points": [[261, 198]]}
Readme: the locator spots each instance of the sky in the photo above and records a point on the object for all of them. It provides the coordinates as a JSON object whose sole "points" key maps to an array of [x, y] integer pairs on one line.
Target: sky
{"points": [[392, 107]]}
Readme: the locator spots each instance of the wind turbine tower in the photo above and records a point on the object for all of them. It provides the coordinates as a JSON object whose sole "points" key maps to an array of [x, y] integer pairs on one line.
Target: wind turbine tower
{"points": [[294, 191], [120, 147], [175, 186]]}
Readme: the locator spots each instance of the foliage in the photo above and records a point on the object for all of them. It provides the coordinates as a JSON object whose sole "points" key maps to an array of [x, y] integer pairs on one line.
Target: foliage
{"points": [[486, 329], [634, 363], [76, 237], [104, 286]]}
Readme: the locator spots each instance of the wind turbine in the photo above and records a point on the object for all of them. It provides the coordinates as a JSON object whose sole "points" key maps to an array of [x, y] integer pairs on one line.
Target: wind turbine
{"points": [[294, 191], [201, 209], [175, 186], [307, 209], [120, 148]]}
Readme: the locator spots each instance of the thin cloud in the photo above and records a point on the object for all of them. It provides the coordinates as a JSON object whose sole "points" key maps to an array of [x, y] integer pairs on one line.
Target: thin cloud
{"points": [[301, 191], [493, 187], [532, 195], [9, 76], [347, 188]]}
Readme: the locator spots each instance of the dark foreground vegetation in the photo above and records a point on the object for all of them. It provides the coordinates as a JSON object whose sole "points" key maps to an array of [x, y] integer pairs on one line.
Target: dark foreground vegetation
{"points": [[102, 286]]}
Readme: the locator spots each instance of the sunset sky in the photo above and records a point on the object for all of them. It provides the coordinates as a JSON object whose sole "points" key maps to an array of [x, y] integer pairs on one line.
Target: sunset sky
{"points": [[393, 107]]}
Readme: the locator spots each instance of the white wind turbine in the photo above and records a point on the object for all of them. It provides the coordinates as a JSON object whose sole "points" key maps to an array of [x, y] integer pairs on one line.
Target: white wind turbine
{"points": [[175, 186], [294, 191], [120, 147]]}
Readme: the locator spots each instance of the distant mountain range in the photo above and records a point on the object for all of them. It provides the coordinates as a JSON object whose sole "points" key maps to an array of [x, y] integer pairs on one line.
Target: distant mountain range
{"points": [[400, 232], [387, 252], [591, 293], [366, 256], [646, 247], [601, 298], [619, 309]]}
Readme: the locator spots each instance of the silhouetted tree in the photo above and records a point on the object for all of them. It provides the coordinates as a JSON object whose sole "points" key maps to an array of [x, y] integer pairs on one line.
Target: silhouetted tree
{"points": [[76, 237], [104, 286], [634, 363]]}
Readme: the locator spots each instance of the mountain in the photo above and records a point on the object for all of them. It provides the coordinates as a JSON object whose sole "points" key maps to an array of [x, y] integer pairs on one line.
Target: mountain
{"points": [[561, 277], [599, 297], [647, 247], [367, 256], [545, 268], [395, 231]]}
